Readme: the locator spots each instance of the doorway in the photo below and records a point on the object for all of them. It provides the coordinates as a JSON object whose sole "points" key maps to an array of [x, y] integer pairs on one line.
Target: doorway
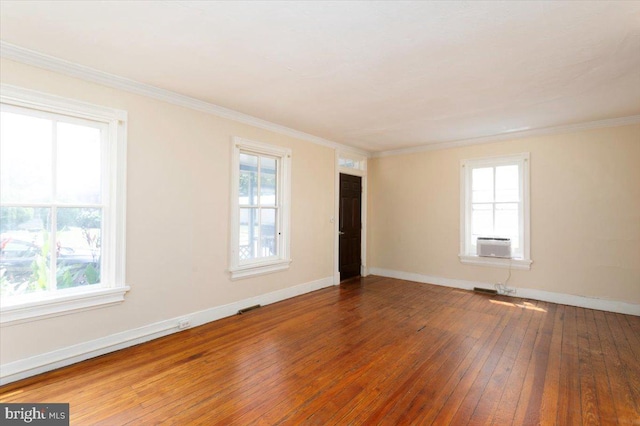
{"points": [[350, 226]]}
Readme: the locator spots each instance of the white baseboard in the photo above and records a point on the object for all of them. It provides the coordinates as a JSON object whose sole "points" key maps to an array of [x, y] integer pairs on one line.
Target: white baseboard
{"points": [[21, 369], [527, 293]]}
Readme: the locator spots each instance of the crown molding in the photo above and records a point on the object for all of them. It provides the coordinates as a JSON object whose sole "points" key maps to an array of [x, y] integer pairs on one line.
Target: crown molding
{"points": [[569, 128], [61, 66], [51, 63]]}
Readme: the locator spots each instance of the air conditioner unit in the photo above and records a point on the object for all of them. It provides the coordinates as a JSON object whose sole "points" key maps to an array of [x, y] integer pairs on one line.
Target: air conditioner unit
{"points": [[494, 247]]}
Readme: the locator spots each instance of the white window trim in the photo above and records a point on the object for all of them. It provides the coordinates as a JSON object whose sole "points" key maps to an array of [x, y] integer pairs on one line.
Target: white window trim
{"points": [[283, 261], [112, 288], [465, 220]]}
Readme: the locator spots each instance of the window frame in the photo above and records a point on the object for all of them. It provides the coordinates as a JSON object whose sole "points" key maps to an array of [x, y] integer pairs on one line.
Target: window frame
{"points": [[112, 287], [282, 261], [467, 255]]}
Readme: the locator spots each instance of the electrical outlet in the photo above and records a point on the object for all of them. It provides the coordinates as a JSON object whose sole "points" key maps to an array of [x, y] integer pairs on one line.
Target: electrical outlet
{"points": [[184, 323]]}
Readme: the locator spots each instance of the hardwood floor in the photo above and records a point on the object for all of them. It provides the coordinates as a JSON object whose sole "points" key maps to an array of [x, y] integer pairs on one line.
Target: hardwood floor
{"points": [[372, 351]]}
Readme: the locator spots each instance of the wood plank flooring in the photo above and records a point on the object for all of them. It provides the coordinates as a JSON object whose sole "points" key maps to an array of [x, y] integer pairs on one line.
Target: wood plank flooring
{"points": [[372, 351]]}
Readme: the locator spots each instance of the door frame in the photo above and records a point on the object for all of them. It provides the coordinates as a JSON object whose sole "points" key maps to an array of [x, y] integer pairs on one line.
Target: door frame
{"points": [[362, 172]]}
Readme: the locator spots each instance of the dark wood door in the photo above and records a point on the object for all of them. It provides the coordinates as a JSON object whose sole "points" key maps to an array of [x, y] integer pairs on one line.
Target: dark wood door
{"points": [[350, 225]]}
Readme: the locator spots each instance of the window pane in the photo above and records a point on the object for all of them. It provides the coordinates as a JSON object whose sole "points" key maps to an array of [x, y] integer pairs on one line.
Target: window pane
{"points": [[268, 181], [249, 233], [268, 243], [25, 158], [507, 221], [507, 183], [78, 246], [78, 164], [248, 194], [515, 246], [347, 162], [482, 220], [244, 223], [25, 250], [482, 185]]}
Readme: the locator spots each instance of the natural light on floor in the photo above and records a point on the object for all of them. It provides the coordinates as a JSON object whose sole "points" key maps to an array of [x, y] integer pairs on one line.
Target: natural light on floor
{"points": [[525, 305]]}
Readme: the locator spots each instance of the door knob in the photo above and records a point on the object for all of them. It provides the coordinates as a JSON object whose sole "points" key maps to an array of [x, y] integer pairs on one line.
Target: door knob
{"points": [[340, 233]]}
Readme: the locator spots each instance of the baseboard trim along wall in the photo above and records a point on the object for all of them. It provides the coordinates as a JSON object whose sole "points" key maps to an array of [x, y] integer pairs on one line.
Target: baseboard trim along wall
{"points": [[526, 293], [21, 369]]}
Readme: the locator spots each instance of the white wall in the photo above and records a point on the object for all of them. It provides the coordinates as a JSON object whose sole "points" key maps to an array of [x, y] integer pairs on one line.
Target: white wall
{"points": [[585, 214], [178, 184]]}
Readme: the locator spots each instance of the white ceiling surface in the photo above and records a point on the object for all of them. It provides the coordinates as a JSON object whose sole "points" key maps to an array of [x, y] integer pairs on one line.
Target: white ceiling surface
{"points": [[374, 75]]}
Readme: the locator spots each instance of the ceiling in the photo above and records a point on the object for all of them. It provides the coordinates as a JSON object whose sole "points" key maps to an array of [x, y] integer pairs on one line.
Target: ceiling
{"points": [[378, 76]]}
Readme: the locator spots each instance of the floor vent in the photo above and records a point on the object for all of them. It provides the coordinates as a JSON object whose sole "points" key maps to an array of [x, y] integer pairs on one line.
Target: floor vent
{"points": [[485, 291], [250, 308]]}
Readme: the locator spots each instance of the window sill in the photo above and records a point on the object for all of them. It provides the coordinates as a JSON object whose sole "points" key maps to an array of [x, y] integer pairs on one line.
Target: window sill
{"points": [[259, 269], [69, 302], [524, 264]]}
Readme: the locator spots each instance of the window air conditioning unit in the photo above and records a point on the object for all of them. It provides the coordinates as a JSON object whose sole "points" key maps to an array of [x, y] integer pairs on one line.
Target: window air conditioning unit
{"points": [[494, 247]]}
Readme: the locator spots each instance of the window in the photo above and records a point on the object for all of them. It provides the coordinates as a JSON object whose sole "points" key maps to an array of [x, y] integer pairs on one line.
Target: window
{"points": [[495, 203], [260, 208], [351, 161], [61, 205]]}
